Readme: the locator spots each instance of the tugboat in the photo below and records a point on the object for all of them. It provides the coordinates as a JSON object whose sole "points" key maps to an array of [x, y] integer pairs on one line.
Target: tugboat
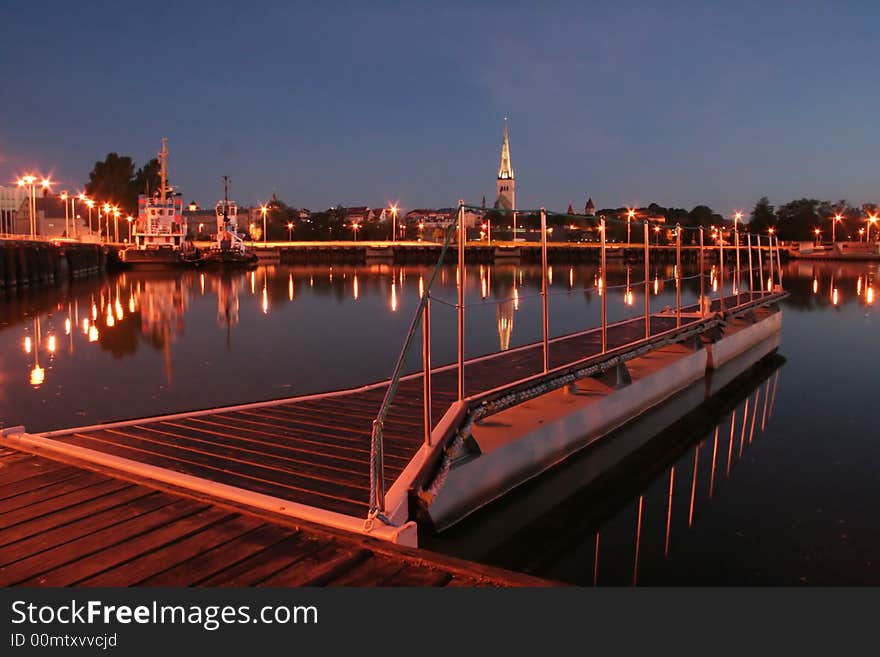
{"points": [[159, 238], [229, 249]]}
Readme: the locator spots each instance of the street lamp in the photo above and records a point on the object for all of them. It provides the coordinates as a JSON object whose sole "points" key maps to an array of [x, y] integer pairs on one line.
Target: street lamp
{"points": [[90, 203], [657, 235], [861, 234], [107, 209], [871, 220], [64, 196], [30, 182], [393, 222], [263, 210], [116, 214], [354, 228], [289, 231], [837, 218], [818, 232], [630, 215], [129, 219]]}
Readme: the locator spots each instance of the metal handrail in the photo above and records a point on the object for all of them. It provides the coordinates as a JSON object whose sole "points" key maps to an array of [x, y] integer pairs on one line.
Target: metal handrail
{"points": [[377, 464], [377, 508]]}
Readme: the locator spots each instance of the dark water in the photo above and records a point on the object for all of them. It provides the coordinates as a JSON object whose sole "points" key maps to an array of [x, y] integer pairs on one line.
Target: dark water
{"points": [[792, 497]]}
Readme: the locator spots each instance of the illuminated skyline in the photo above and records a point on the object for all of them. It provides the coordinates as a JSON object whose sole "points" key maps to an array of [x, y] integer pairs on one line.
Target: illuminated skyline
{"points": [[675, 105]]}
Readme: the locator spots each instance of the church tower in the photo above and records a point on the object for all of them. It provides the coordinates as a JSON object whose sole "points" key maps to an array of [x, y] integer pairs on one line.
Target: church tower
{"points": [[506, 184]]}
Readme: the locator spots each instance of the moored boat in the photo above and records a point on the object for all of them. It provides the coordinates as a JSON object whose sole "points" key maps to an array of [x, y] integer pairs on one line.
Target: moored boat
{"points": [[229, 249], [159, 236]]}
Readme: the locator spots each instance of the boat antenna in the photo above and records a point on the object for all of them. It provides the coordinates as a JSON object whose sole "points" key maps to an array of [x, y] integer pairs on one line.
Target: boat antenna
{"points": [[163, 156], [225, 199]]}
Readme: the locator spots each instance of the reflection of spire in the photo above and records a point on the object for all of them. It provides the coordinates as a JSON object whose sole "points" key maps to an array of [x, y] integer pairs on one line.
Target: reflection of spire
{"points": [[504, 313]]}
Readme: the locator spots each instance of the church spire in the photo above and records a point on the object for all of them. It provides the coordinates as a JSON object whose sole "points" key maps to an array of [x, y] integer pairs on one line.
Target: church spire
{"points": [[505, 171], [505, 185]]}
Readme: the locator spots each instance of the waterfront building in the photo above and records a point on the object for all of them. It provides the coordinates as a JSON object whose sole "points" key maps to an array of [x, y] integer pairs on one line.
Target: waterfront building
{"points": [[11, 199], [506, 183], [590, 208], [50, 217]]}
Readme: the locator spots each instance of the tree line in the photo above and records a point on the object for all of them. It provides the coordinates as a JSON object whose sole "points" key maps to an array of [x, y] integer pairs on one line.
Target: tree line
{"points": [[118, 180]]}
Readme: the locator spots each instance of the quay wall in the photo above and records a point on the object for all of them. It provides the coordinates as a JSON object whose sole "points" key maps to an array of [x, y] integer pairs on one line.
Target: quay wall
{"points": [[318, 253], [31, 263]]}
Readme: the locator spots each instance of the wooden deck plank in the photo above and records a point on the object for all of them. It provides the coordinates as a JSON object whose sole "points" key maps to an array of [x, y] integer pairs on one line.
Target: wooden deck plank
{"points": [[41, 493], [119, 553], [65, 522], [193, 558], [42, 504], [256, 568], [35, 480], [320, 567], [166, 511], [348, 489]]}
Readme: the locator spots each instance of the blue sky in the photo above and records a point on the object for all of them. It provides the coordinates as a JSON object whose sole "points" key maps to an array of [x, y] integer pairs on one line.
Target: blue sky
{"points": [[365, 103]]}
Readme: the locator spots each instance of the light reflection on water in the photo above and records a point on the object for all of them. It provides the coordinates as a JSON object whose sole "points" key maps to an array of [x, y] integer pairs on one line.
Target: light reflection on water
{"points": [[795, 505], [143, 343]]}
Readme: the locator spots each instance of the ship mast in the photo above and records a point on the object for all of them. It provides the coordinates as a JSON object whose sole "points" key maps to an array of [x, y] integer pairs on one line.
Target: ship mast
{"points": [[225, 199], [163, 156]]}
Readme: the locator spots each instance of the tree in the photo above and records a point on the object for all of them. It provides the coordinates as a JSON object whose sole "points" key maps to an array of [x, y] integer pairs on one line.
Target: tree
{"points": [[763, 216], [110, 181], [702, 215], [147, 179], [798, 219]]}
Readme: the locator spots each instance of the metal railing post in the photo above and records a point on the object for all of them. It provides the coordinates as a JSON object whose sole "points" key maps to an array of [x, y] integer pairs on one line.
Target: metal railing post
{"points": [[426, 365], [778, 263], [770, 250], [603, 290], [461, 274], [751, 270], [544, 322], [677, 275], [702, 271], [736, 246], [721, 267], [760, 265], [647, 282]]}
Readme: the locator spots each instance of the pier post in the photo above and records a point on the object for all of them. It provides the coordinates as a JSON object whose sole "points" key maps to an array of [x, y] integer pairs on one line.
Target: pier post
{"points": [[721, 267], [426, 363], [677, 275], [647, 282], [751, 272], [603, 288], [544, 322], [736, 246], [778, 263], [760, 265], [770, 251], [702, 272], [461, 242]]}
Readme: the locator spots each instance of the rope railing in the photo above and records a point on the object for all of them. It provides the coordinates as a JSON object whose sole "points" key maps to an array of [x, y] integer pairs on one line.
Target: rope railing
{"points": [[717, 293]]}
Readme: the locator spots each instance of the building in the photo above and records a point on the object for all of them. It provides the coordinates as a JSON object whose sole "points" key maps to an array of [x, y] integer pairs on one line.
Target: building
{"points": [[51, 217], [11, 199], [506, 184], [590, 208]]}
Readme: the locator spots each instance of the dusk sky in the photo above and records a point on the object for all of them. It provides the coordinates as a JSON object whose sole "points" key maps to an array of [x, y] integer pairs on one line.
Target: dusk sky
{"points": [[676, 103]]}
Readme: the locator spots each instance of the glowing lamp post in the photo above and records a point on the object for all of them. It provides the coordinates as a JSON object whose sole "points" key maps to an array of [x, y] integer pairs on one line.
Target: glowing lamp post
{"points": [[837, 219], [872, 219], [656, 235], [129, 219], [289, 231], [818, 232], [354, 229], [90, 203], [116, 214], [630, 215], [861, 234], [263, 210], [393, 223]]}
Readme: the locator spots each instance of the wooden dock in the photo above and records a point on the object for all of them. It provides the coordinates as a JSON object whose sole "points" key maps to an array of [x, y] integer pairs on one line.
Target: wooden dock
{"points": [[66, 525], [310, 457]]}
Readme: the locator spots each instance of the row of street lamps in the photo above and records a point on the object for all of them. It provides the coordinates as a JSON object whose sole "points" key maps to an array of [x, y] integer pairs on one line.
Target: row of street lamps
{"points": [[31, 183]]}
